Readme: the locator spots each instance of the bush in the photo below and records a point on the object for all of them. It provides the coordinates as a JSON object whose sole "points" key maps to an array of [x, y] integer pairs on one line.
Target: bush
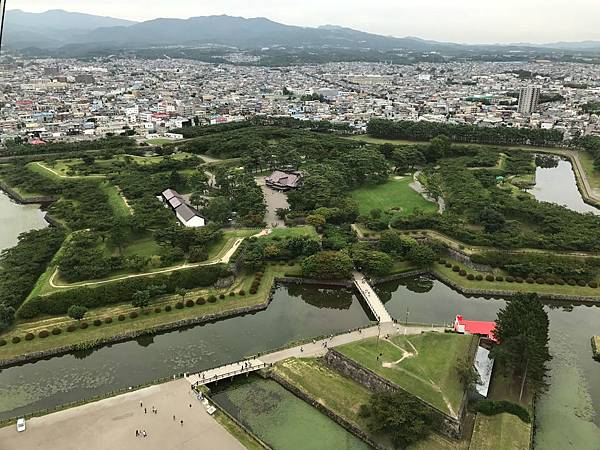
{"points": [[491, 408], [71, 328], [470, 277], [133, 314], [56, 331], [581, 283], [499, 278], [593, 284], [448, 265], [550, 281], [291, 263], [253, 291], [540, 281], [455, 268], [83, 325], [201, 301], [489, 277], [242, 292], [212, 299], [462, 273], [168, 308], [258, 274], [221, 296], [560, 282], [158, 309], [97, 322], [442, 261], [29, 336], [189, 303], [510, 279], [2, 342], [232, 294], [108, 320], [530, 280], [179, 305], [518, 279], [43, 334], [121, 318], [571, 282], [479, 277], [15, 339]]}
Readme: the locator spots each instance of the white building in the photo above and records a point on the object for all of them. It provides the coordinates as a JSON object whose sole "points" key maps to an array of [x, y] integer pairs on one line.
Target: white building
{"points": [[529, 98]]}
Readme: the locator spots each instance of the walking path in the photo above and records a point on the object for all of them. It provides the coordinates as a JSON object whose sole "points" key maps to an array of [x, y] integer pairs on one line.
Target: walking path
{"points": [[111, 424], [310, 350], [371, 298]]}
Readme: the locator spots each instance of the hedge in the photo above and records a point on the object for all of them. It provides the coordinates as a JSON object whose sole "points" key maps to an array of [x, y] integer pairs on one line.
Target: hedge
{"points": [[16, 339], [157, 309], [108, 320], [71, 328], [56, 331], [29, 336], [168, 308], [97, 322], [44, 334], [2, 342], [121, 318], [189, 303], [200, 301], [83, 325], [120, 291], [212, 299], [133, 314], [492, 407], [179, 305]]}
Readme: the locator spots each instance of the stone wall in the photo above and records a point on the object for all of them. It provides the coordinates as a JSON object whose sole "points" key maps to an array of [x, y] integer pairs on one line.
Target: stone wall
{"points": [[349, 426], [445, 424], [12, 193]]}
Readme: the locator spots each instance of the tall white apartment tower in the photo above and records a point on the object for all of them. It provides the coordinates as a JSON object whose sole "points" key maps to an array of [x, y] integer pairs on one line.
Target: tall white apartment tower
{"points": [[529, 98]]}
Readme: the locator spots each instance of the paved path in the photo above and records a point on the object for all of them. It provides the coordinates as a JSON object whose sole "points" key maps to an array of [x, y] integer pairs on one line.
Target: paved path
{"points": [[371, 298], [111, 424], [227, 371]]}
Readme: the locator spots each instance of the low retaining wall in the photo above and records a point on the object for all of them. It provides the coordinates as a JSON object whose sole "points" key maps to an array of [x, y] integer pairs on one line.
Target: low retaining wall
{"points": [[445, 424], [12, 193], [127, 336], [349, 426]]}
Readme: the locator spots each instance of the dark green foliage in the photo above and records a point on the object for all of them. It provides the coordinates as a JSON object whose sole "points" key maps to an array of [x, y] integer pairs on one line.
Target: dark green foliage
{"points": [[116, 142], [71, 328], [327, 266], [3, 342], [43, 334], [108, 320], [29, 336], [15, 339], [189, 303], [522, 332], [212, 299], [77, 312], [120, 291], [399, 415], [133, 314], [97, 322], [493, 407], [424, 131]]}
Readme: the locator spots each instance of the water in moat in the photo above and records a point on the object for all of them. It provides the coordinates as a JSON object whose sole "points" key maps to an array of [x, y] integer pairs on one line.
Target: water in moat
{"points": [[296, 312], [281, 419], [555, 182], [16, 219], [568, 414]]}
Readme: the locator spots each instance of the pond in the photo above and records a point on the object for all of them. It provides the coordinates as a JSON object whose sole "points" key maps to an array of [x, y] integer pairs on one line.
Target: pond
{"points": [[16, 219], [296, 312], [555, 182], [281, 419], [568, 414]]}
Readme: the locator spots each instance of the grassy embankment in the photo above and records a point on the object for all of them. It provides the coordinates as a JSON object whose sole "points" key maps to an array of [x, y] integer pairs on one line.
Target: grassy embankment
{"points": [[423, 365], [144, 321], [344, 397], [394, 197]]}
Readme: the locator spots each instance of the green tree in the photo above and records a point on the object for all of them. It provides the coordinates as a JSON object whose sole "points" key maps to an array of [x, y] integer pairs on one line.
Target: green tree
{"points": [[327, 266], [522, 333], [467, 374], [316, 220], [77, 312], [421, 254], [218, 210], [399, 415], [182, 293], [7, 316], [141, 299]]}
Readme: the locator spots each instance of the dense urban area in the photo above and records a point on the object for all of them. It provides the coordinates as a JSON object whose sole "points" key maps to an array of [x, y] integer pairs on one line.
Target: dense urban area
{"points": [[319, 256]]}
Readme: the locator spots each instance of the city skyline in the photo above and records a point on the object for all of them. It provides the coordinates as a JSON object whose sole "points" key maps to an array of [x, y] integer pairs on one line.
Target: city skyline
{"points": [[463, 21]]}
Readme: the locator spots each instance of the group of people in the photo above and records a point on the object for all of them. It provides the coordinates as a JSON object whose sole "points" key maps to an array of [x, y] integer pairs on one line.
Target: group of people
{"points": [[142, 433]]}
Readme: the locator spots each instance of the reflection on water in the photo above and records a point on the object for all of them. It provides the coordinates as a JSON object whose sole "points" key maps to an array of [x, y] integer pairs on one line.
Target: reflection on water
{"points": [[16, 219], [297, 312], [567, 416], [555, 182]]}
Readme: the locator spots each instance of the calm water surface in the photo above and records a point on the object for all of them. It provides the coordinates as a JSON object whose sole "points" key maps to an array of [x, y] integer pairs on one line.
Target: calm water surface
{"points": [[297, 312], [556, 183], [16, 219], [568, 415]]}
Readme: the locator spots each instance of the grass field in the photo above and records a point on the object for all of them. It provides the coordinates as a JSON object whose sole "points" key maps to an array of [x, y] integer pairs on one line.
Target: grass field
{"points": [[301, 231], [393, 194], [593, 175], [344, 397], [116, 200], [142, 322], [500, 432], [159, 141], [423, 365]]}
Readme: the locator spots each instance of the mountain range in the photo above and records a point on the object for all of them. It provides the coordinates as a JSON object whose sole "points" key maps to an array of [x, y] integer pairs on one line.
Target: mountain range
{"points": [[57, 28]]}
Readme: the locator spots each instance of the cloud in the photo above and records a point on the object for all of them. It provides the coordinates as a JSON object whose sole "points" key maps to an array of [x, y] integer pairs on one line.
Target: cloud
{"points": [[474, 21]]}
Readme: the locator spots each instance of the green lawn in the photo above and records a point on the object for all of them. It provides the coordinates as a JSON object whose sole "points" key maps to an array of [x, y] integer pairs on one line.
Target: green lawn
{"points": [[423, 365], [145, 246], [393, 194], [159, 141], [500, 432], [593, 175], [237, 432], [116, 200], [344, 397], [301, 231]]}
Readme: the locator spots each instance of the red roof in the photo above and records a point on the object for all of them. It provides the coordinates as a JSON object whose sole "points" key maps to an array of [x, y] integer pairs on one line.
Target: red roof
{"points": [[476, 327], [37, 142]]}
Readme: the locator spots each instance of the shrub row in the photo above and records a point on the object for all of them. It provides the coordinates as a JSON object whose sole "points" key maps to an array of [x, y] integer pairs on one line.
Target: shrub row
{"points": [[120, 291], [492, 407], [510, 279]]}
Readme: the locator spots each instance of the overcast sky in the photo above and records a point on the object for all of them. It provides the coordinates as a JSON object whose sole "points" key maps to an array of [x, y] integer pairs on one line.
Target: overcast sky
{"points": [[473, 21]]}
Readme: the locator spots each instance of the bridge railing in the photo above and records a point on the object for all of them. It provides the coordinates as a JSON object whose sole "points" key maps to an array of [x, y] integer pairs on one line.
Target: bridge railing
{"points": [[229, 374]]}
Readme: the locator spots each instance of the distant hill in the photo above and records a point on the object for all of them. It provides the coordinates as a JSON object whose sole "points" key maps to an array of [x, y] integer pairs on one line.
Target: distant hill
{"points": [[59, 29]]}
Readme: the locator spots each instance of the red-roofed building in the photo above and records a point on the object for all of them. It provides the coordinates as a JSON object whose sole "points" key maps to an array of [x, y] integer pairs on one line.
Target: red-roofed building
{"points": [[484, 329], [37, 142]]}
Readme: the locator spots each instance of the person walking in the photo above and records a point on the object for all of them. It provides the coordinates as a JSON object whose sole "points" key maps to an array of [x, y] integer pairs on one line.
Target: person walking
{"points": [[173, 417], [145, 412], [181, 422], [137, 433]]}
